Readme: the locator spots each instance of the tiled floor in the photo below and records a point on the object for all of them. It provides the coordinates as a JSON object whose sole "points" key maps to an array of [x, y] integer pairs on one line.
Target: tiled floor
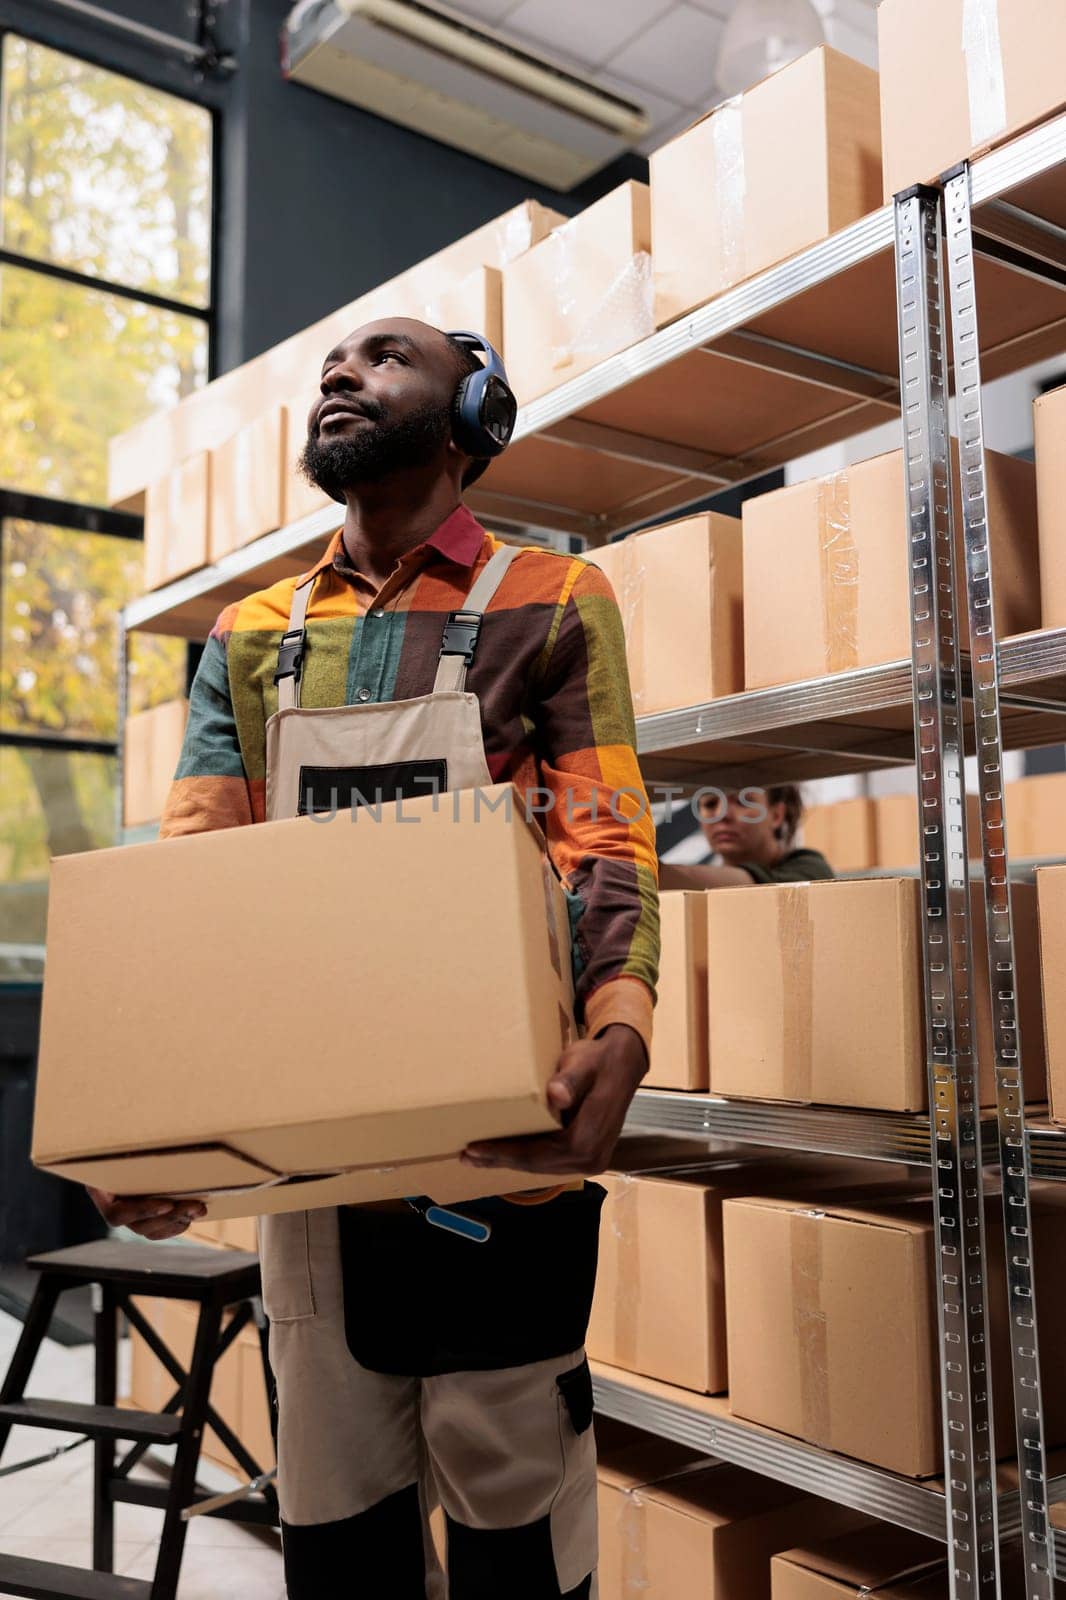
{"points": [[46, 1511]]}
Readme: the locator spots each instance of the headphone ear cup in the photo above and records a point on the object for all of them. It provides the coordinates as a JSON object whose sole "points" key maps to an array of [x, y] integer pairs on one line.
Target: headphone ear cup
{"points": [[467, 431]]}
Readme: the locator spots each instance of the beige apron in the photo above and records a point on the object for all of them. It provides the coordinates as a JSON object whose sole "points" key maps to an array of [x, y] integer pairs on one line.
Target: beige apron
{"points": [[348, 1437]]}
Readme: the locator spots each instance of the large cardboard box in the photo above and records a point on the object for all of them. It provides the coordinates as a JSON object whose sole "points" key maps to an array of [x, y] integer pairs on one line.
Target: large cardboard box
{"points": [[679, 588], [986, 69], [176, 521], [831, 1317], [827, 575], [1051, 894], [763, 176], [246, 485], [892, 1563], [150, 758], [845, 833], [679, 1043], [1049, 438], [156, 446], [896, 826], [1036, 816], [580, 295], [298, 497], [659, 1306], [786, 963], [674, 1528], [172, 1060], [238, 1388]]}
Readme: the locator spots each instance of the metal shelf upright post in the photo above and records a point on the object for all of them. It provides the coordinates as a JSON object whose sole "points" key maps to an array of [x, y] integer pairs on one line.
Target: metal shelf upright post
{"points": [[1010, 1093]]}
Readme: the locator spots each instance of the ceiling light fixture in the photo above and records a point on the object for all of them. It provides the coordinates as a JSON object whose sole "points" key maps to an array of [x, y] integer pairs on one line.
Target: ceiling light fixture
{"points": [[761, 37]]}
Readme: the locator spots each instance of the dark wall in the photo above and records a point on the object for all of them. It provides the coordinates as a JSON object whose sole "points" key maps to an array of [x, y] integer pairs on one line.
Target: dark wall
{"points": [[319, 202]]}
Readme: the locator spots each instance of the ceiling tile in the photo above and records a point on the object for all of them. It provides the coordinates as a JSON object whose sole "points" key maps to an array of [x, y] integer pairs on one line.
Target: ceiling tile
{"points": [[492, 11], [717, 8], [675, 57], [590, 31]]}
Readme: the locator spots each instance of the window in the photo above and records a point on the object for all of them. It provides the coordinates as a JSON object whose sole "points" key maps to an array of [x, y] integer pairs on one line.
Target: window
{"points": [[106, 227]]}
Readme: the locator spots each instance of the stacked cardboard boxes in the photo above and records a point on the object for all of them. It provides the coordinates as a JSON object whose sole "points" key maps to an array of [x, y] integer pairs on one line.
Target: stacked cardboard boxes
{"points": [[763, 197], [679, 591], [1051, 895], [679, 1058], [1036, 816], [826, 574], [831, 1323], [845, 833], [986, 70], [879, 1559], [152, 751], [673, 1526], [785, 967]]}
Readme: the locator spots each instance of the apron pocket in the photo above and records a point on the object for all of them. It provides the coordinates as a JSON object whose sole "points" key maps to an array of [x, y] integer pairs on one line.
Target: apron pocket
{"points": [[420, 1301], [285, 1257]]}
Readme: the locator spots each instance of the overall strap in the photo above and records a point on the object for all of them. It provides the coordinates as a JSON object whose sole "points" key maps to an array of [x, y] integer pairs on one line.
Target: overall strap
{"points": [[463, 626], [291, 649]]}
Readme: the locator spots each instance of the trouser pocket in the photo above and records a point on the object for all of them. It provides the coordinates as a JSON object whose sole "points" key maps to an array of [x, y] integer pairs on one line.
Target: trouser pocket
{"points": [[420, 1300], [285, 1259]]}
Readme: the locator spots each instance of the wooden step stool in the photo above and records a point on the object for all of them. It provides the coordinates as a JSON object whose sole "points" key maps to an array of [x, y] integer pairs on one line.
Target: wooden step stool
{"points": [[217, 1280]]}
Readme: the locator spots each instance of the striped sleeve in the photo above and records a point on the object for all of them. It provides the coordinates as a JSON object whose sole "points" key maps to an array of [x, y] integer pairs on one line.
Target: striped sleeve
{"points": [[600, 829], [210, 788]]}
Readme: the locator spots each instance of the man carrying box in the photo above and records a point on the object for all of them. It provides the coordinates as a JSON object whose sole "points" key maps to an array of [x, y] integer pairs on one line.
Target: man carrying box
{"points": [[380, 1412]]}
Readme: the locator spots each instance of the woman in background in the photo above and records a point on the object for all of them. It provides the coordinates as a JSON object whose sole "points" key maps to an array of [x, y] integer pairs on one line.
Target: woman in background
{"points": [[752, 831]]}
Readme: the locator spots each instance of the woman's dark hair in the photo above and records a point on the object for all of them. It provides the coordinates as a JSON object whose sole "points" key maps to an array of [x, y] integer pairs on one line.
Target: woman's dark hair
{"points": [[789, 795]]}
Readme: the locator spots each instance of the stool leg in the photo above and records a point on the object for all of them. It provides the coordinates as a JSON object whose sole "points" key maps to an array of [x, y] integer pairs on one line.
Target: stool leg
{"points": [[32, 1336], [183, 1480], [106, 1321]]}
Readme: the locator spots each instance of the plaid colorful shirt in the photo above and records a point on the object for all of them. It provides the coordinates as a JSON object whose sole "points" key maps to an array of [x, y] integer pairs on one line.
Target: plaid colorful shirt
{"points": [[556, 715]]}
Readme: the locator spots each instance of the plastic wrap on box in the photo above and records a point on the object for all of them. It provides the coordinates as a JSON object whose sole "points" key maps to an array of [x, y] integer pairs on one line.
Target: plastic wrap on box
{"points": [[985, 78]]}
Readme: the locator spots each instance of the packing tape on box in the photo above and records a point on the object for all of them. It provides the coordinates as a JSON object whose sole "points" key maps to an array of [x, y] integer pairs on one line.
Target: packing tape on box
{"points": [[513, 235], [839, 574], [985, 82], [631, 604], [808, 1324], [624, 1222], [795, 934], [730, 186], [635, 1580]]}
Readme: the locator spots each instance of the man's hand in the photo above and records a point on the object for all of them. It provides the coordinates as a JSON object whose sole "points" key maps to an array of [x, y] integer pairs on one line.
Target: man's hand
{"points": [[591, 1089], [152, 1216]]}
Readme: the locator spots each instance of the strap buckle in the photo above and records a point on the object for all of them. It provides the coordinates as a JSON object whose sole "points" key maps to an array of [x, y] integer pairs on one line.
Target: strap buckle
{"points": [[461, 634], [290, 654]]}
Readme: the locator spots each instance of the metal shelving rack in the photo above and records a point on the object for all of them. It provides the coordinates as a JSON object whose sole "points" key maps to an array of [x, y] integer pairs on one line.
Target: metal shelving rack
{"points": [[821, 339]]}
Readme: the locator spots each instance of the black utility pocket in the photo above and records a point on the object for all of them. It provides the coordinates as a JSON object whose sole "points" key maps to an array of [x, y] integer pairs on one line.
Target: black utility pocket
{"points": [[419, 1300], [575, 1387], [339, 788]]}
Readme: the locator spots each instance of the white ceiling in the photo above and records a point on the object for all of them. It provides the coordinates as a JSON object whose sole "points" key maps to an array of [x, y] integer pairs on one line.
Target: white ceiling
{"points": [[660, 53]]}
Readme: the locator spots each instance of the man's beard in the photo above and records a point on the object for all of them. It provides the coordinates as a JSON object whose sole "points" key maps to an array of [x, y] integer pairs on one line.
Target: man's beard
{"points": [[368, 454]]}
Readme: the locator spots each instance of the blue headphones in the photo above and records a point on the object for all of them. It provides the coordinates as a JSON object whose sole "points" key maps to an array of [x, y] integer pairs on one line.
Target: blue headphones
{"points": [[485, 408]]}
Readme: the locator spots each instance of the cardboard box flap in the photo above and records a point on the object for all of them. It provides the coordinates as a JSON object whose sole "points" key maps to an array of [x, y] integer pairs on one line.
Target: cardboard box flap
{"points": [[870, 1559], [628, 1459], [909, 1214], [194, 1168]]}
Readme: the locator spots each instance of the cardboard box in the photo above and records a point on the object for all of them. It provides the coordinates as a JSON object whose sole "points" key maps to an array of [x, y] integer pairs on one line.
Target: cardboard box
{"points": [[659, 1306], [1049, 438], [987, 69], [237, 1233], [474, 304], [1036, 816], [827, 577], [897, 843], [1051, 894], [674, 1530], [786, 965], [176, 521], [892, 1563], [733, 196], [679, 588], [246, 485], [831, 1317], [679, 1043], [845, 833], [150, 758], [298, 497], [580, 295], [140, 1090], [238, 1389], [156, 446]]}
